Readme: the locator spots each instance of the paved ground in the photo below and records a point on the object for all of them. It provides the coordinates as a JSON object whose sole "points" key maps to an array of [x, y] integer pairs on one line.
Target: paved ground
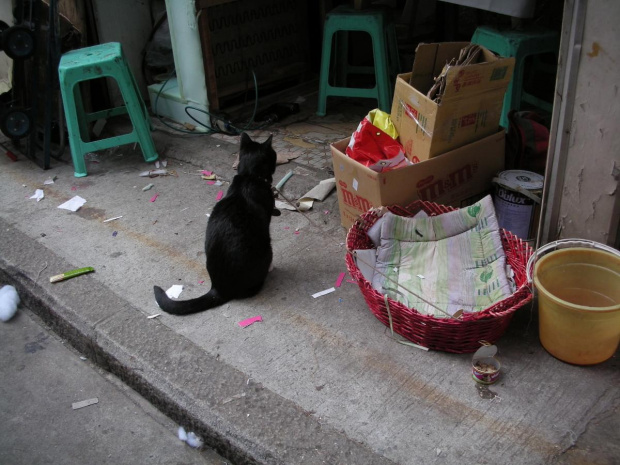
{"points": [[318, 380], [42, 377]]}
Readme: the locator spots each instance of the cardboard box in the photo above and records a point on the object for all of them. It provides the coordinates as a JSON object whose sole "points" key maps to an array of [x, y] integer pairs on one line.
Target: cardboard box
{"points": [[470, 108], [457, 178]]}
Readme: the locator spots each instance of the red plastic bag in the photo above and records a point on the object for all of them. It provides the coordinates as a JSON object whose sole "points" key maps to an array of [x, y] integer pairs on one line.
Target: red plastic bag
{"points": [[376, 149]]}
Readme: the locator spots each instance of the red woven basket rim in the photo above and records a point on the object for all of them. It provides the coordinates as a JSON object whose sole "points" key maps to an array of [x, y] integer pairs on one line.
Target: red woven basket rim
{"points": [[517, 253]]}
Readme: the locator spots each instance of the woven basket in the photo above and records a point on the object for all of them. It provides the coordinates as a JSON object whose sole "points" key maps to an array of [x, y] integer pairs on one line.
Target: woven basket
{"points": [[461, 335]]}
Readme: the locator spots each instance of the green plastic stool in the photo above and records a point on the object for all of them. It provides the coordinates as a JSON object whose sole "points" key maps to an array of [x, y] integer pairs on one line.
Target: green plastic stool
{"points": [[339, 22], [520, 45], [105, 60]]}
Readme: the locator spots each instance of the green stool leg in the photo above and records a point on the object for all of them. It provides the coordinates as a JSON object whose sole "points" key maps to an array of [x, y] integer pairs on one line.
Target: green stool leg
{"points": [[137, 114], [74, 115], [79, 106], [342, 63], [325, 62], [394, 58], [382, 71]]}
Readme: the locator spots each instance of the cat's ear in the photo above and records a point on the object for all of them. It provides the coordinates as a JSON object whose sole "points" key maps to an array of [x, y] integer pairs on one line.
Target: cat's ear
{"points": [[267, 143], [245, 139]]}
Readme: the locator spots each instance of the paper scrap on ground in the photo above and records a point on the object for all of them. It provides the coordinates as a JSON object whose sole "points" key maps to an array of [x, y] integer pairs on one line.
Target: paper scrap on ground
{"points": [[236, 396], [285, 157], [49, 181], [112, 219], [9, 300], [155, 173], [38, 194], [85, 403], [194, 441], [206, 172], [339, 280], [150, 317], [326, 291], [284, 206], [73, 204], [219, 196], [319, 192], [190, 438], [175, 291], [250, 321], [154, 198]]}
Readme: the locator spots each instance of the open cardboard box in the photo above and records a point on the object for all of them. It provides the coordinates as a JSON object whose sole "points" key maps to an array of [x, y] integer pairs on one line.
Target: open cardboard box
{"points": [[457, 178], [470, 108]]}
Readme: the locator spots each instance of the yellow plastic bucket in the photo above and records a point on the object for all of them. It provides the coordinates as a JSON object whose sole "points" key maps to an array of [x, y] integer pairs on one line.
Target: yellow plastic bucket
{"points": [[579, 304]]}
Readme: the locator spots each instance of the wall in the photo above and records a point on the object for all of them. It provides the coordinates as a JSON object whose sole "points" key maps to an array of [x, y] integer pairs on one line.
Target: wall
{"points": [[128, 22], [582, 185]]}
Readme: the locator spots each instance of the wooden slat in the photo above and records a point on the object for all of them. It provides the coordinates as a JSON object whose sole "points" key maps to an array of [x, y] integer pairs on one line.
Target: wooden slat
{"points": [[207, 54]]}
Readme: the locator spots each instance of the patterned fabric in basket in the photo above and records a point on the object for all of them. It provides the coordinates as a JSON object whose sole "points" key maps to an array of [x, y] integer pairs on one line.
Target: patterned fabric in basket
{"points": [[462, 335], [454, 260]]}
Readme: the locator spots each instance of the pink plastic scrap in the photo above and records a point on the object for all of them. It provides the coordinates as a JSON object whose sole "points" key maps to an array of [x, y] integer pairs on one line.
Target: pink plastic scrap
{"points": [[206, 173], [219, 196], [339, 280], [154, 198], [250, 321]]}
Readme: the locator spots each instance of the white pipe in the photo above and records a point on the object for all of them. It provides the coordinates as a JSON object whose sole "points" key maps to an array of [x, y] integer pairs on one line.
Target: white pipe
{"points": [[187, 51]]}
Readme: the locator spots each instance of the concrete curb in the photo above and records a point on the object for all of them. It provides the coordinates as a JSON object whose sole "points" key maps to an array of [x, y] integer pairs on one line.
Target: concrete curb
{"points": [[190, 386]]}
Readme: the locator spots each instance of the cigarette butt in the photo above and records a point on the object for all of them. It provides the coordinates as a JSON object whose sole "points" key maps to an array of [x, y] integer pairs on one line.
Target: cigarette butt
{"points": [[71, 274]]}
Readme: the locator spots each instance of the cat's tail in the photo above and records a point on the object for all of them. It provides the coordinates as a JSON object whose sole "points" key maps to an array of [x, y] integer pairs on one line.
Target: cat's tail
{"points": [[184, 307]]}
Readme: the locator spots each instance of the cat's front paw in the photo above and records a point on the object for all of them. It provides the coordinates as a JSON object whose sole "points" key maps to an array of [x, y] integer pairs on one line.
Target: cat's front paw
{"points": [[276, 212]]}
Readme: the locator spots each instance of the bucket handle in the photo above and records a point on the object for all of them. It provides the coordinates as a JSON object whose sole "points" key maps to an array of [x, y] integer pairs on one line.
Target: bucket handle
{"points": [[564, 244], [515, 187]]}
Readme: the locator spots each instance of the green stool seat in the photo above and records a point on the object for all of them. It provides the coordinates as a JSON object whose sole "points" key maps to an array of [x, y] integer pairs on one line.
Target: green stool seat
{"points": [[105, 60], [339, 22], [520, 45]]}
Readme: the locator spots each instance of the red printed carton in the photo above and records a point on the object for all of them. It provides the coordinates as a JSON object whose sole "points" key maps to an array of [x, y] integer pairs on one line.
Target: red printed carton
{"points": [[457, 178]]}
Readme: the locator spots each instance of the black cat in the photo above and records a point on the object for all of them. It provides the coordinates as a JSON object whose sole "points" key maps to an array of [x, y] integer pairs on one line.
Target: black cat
{"points": [[238, 244]]}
